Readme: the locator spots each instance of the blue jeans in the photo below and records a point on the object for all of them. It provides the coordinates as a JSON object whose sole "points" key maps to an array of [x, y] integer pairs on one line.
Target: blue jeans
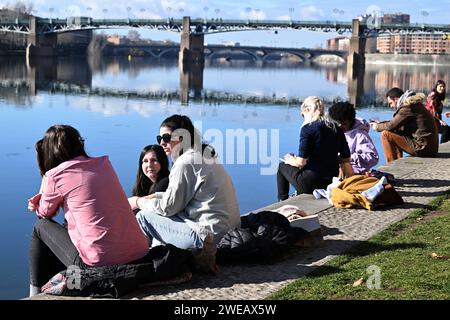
{"points": [[166, 230]]}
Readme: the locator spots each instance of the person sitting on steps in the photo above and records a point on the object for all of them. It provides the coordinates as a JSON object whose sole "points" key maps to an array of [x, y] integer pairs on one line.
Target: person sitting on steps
{"points": [[412, 129]]}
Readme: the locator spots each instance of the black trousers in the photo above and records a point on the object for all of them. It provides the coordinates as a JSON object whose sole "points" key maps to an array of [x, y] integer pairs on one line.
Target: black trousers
{"points": [[51, 251], [445, 133], [304, 181]]}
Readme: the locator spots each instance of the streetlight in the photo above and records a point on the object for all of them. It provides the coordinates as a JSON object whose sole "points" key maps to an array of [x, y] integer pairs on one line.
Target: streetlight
{"points": [[88, 10], [424, 14], [217, 11], [248, 10], [104, 13], [128, 14], [169, 9], [51, 13], [181, 11], [206, 10], [257, 14], [291, 11]]}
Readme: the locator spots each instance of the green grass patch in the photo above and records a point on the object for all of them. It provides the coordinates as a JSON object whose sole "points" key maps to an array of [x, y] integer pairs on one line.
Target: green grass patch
{"points": [[395, 264]]}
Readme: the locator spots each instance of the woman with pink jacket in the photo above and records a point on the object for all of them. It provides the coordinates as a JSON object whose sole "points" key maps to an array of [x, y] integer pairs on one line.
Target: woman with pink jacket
{"points": [[101, 227]]}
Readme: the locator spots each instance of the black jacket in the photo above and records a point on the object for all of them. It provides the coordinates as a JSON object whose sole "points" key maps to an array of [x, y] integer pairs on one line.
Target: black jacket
{"points": [[262, 238]]}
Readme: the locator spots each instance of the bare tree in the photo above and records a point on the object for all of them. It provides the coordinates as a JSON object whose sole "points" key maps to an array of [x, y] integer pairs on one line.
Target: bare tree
{"points": [[133, 35], [20, 6]]}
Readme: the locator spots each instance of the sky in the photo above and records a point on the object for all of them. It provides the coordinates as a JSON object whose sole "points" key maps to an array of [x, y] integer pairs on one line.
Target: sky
{"points": [[421, 11]]}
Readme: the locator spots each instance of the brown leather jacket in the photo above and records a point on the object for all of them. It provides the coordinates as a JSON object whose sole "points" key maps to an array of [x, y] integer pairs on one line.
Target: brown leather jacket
{"points": [[413, 121]]}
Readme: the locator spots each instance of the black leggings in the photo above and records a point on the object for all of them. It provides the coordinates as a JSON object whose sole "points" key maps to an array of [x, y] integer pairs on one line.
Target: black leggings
{"points": [[304, 181], [51, 251]]}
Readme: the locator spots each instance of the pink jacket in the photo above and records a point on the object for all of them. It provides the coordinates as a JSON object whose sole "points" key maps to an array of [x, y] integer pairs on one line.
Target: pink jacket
{"points": [[100, 221]]}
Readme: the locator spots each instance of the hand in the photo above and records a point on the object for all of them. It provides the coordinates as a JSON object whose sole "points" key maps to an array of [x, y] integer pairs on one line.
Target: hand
{"points": [[289, 159], [374, 125], [33, 203], [447, 114], [442, 123], [133, 202]]}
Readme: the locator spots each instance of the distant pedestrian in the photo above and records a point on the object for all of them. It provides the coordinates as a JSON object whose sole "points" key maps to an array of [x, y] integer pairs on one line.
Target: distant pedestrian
{"points": [[412, 129], [322, 148], [435, 105], [364, 155]]}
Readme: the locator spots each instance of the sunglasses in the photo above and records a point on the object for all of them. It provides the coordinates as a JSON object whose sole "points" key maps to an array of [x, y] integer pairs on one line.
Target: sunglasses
{"points": [[166, 137]]}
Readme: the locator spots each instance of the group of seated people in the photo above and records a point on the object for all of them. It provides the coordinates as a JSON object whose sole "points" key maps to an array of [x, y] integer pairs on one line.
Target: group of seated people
{"points": [[194, 205], [338, 144]]}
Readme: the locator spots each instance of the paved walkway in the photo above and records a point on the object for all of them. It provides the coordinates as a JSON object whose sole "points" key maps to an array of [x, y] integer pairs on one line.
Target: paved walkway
{"points": [[419, 181]]}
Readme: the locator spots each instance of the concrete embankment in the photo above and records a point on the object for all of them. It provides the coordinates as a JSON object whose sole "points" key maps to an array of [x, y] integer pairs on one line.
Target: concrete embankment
{"points": [[419, 181], [408, 59]]}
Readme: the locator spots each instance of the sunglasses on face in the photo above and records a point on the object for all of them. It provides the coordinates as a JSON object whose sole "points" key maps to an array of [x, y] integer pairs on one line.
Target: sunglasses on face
{"points": [[166, 137]]}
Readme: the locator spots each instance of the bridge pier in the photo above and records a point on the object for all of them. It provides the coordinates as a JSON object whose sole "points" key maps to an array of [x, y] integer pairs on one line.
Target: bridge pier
{"points": [[356, 63], [191, 78], [191, 45], [39, 45]]}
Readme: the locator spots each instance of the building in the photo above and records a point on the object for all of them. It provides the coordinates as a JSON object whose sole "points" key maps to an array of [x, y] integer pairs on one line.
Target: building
{"points": [[396, 18], [342, 44], [416, 43], [114, 39], [338, 43]]}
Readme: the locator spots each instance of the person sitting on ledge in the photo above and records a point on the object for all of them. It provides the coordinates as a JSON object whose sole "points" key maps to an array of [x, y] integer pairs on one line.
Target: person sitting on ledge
{"points": [[412, 129], [364, 155], [322, 145]]}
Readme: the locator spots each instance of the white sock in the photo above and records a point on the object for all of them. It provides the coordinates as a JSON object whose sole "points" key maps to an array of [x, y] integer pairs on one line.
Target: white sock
{"points": [[372, 193], [34, 290]]}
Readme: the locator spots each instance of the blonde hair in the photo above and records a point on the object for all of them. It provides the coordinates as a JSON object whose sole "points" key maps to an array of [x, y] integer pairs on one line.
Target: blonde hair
{"points": [[317, 113]]}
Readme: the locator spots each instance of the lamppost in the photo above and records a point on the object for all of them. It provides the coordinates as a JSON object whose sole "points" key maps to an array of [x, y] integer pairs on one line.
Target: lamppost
{"points": [[128, 12], [248, 10], [217, 11], [104, 13], [424, 15], [169, 9], [206, 10], [257, 11], [291, 11], [181, 11], [51, 13], [88, 10]]}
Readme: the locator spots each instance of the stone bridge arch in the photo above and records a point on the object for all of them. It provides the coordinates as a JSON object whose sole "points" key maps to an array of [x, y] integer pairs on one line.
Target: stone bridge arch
{"points": [[282, 53]]}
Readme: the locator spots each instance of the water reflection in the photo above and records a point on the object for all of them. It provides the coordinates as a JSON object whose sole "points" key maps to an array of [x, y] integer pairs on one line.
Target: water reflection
{"points": [[214, 83]]}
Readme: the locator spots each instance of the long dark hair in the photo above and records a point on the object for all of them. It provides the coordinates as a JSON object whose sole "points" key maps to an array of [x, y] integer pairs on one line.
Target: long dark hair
{"points": [[440, 96], [143, 185], [59, 144], [183, 123]]}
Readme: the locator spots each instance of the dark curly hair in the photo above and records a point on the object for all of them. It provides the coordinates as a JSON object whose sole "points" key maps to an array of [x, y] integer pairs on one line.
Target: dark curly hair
{"points": [[341, 111]]}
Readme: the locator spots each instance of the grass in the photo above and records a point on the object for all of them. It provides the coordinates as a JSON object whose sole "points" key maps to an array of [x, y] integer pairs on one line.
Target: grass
{"points": [[402, 254]]}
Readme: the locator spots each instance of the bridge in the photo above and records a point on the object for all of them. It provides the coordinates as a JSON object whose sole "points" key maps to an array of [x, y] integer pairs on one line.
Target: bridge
{"points": [[40, 31], [259, 54], [207, 26]]}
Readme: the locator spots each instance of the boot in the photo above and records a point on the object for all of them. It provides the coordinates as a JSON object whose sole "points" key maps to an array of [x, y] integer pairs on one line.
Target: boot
{"points": [[205, 259]]}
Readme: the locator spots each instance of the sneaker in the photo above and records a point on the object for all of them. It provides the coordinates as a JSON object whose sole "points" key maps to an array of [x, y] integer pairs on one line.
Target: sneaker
{"points": [[205, 260]]}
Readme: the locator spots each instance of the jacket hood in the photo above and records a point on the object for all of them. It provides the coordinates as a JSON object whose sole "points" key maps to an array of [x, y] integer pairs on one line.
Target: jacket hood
{"points": [[414, 99], [359, 125]]}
